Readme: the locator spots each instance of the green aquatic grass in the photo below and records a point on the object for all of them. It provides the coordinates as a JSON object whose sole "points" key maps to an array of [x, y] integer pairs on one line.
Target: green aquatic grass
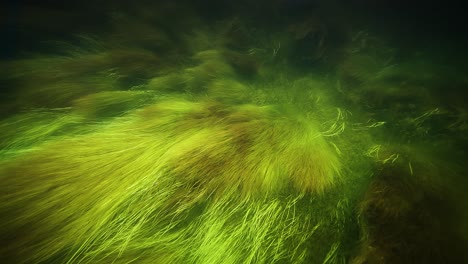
{"points": [[138, 178], [170, 145]]}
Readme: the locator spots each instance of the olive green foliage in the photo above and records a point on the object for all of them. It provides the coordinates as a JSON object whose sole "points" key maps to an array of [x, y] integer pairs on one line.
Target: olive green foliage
{"points": [[222, 141]]}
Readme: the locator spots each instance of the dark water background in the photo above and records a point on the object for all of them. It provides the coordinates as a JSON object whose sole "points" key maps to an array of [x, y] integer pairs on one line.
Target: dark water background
{"points": [[415, 24], [437, 28]]}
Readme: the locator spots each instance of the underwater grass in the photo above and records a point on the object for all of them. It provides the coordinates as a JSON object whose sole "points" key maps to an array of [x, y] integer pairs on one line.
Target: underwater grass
{"points": [[211, 145]]}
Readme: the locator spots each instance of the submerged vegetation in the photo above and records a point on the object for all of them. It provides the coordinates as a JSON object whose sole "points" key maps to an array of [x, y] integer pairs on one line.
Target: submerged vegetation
{"points": [[174, 133]]}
